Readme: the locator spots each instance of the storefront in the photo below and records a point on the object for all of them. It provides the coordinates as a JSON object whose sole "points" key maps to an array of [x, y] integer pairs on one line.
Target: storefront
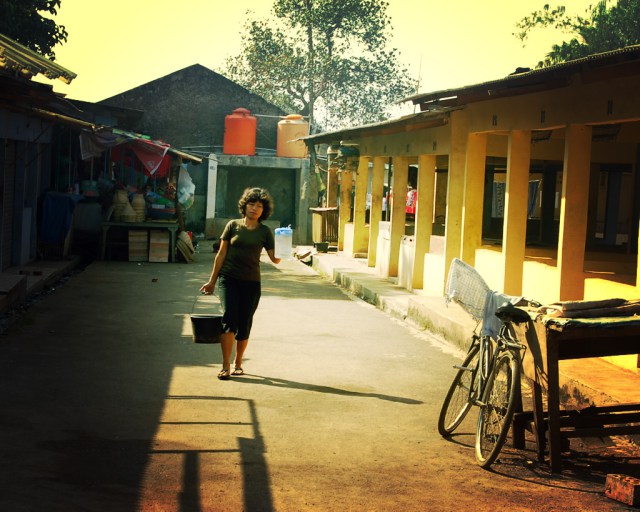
{"points": [[129, 193]]}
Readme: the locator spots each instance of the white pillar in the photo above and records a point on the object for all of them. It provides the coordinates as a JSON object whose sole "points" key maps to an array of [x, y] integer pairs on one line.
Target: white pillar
{"points": [[212, 179]]}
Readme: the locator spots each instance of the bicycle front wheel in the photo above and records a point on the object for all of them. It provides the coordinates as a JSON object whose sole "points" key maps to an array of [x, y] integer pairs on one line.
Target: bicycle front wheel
{"points": [[457, 402], [497, 408]]}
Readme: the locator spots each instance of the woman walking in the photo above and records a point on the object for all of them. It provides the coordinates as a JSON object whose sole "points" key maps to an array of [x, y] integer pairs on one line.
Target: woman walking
{"points": [[236, 269]]}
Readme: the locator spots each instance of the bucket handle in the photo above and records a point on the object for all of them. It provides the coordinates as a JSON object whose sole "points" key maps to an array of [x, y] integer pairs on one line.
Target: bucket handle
{"points": [[195, 301]]}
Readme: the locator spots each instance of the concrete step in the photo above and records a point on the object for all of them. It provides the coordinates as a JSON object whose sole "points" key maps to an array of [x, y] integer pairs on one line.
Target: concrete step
{"points": [[19, 283]]}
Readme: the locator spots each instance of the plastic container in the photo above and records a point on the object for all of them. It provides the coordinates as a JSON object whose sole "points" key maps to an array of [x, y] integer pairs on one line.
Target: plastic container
{"points": [[162, 213], [89, 188], [284, 243], [292, 127], [239, 133]]}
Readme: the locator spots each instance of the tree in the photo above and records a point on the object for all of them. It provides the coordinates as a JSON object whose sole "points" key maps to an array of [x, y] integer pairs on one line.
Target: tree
{"points": [[602, 29], [325, 59], [21, 21]]}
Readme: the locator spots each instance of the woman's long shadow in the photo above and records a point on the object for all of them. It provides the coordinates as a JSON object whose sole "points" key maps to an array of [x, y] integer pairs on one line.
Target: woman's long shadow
{"points": [[272, 381]]}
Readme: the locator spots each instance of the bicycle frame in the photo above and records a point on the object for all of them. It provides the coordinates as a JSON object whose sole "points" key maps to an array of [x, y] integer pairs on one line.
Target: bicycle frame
{"points": [[492, 352], [489, 352]]}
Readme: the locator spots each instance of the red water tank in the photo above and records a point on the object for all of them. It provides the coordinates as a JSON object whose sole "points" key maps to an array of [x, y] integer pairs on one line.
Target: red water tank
{"points": [[239, 133]]}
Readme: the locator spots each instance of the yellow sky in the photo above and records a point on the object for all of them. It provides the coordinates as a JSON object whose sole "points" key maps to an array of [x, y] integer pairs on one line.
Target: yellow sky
{"points": [[117, 45]]}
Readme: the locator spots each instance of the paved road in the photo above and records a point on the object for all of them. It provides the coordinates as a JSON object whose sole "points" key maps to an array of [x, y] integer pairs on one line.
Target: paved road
{"points": [[107, 405]]}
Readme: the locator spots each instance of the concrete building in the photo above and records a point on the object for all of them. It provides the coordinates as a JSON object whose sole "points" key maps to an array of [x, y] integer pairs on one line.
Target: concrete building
{"points": [[189, 108]]}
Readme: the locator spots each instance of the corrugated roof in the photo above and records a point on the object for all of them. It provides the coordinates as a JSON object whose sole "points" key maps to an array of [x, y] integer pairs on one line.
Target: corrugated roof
{"points": [[528, 81], [23, 61], [406, 123]]}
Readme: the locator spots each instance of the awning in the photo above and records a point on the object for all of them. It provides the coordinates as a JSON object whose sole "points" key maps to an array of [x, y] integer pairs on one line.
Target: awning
{"points": [[27, 63], [153, 155]]}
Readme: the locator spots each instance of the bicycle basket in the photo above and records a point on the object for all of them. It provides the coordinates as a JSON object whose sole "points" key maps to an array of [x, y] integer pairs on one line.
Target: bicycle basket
{"points": [[466, 287]]}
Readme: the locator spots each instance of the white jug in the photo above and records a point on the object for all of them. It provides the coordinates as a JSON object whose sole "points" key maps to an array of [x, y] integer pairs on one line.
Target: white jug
{"points": [[284, 243]]}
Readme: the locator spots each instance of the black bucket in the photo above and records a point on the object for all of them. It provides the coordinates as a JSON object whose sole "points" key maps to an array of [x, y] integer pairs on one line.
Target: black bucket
{"points": [[206, 328]]}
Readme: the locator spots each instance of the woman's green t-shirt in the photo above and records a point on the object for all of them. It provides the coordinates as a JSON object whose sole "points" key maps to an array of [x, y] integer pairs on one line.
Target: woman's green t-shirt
{"points": [[245, 246]]}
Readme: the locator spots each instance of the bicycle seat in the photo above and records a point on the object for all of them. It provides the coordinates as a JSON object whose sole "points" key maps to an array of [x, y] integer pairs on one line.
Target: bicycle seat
{"points": [[511, 313]]}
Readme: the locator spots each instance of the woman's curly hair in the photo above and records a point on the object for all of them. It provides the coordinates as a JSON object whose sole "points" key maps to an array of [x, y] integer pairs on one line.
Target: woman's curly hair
{"points": [[253, 195]]}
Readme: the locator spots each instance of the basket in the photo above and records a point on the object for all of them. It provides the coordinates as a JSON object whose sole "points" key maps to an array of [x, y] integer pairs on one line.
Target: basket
{"points": [[206, 328], [466, 287]]}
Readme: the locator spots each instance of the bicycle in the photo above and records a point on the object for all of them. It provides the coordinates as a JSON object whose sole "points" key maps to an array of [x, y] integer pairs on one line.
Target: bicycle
{"points": [[489, 376]]}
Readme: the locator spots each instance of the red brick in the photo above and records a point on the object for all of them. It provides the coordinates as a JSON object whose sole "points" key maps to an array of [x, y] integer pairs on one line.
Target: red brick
{"points": [[623, 488]]}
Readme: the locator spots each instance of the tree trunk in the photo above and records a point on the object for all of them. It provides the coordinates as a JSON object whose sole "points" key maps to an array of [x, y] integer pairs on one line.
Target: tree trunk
{"points": [[312, 93]]}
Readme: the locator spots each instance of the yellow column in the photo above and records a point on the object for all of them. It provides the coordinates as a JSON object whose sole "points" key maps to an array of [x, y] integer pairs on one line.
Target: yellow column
{"points": [[514, 231], [360, 241], [398, 211], [473, 196], [573, 211], [375, 213], [455, 190], [346, 184], [424, 216], [332, 187]]}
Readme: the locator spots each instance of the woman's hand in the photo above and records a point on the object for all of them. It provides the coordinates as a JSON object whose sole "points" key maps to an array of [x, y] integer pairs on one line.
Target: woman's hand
{"points": [[272, 256], [208, 288]]}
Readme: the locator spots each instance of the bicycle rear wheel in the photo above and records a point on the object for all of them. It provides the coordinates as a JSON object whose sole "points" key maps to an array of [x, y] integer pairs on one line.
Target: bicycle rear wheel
{"points": [[497, 408], [457, 402]]}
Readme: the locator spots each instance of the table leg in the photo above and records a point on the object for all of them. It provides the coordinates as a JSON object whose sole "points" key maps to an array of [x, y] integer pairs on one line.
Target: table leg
{"points": [[539, 429], [553, 401], [518, 441], [172, 248]]}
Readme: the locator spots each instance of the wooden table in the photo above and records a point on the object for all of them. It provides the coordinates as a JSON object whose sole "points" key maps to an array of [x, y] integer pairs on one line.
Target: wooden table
{"points": [[171, 226], [550, 340]]}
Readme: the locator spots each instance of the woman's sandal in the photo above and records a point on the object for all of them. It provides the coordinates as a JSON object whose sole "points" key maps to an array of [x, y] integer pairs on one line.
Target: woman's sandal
{"points": [[224, 374], [237, 371]]}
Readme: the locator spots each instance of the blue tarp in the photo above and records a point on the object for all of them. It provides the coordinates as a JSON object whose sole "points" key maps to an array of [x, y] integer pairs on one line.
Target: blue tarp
{"points": [[57, 216]]}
